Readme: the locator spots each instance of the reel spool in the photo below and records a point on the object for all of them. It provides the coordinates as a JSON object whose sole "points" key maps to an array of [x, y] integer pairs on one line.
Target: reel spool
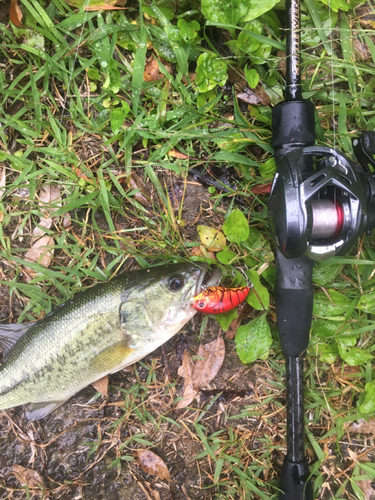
{"points": [[321, 202]]}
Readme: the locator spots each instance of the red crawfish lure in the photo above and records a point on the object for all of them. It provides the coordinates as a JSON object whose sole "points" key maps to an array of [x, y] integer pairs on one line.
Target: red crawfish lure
{"points": [[220, 299]]}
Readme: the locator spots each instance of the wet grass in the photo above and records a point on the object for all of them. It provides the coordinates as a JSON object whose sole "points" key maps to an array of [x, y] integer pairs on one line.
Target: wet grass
{"points": [[77, 114]]}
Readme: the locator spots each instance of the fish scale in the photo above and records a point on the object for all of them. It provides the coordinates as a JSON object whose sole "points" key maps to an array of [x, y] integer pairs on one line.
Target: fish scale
{"points": [[99, 331]]}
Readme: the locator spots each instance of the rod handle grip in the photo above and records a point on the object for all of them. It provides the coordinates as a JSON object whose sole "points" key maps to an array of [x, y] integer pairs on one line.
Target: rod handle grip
{"points": [[294, 482], [294, 302]]}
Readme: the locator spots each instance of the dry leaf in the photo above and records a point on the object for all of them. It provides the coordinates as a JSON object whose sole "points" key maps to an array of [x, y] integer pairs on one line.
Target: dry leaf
{"points": [[41, 251], [156, 494], [367, 489], [50, 201], [361, 50], [243, 311], [129, 368], [67, 221], [186, 372], [29, 477], [281, 54], [95, 5], [152, 464], [204, 370], [197, 251], [143, 196], [211, 238], [249, 96], [152, 73], [365, 15], [255, 97], [347, 372], [177, 154], [236, 77], [45, 224], [101, 386], [363, 427], [49, 194], [78, 172], [15, 13], [212, 357], [201, 251], [262, 188], [103, 6], [2, 181]]}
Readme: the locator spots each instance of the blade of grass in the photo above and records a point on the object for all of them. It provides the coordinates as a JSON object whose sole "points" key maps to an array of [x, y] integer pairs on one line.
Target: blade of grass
{"points": [[139, 64]]}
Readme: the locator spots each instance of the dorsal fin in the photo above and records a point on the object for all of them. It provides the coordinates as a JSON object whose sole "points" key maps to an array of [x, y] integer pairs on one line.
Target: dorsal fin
{"points": [[9, 334]]}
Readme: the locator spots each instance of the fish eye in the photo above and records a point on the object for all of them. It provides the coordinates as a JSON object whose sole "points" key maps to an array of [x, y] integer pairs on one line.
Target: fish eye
{"points": [[176, 283], [201, 305]]}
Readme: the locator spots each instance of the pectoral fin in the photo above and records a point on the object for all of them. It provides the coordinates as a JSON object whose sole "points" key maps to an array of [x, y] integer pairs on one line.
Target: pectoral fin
{"points": [[35, 411], [111, 358], [9, 334]]}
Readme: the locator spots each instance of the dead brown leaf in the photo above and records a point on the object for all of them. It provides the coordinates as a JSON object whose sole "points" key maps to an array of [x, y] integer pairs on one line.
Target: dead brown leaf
{"points": [[29, 477], [365, 15], [2, 181], [363, 427], [152, 464], [236, 77], [262, 188], [15, 13], [249, 96], [347, 372], [204, 370], [143, 196], [50, 201], [186, 372], [43, 224], [151, 72], [201, 251], [212, 357], [103, 6], [50, 194], [177, 154], [67, 221], [281, 54], [361, 51], [367, 489], [255, 97], [41, 251], [197, 251], [259, 90], [243, 311], [78, 172], [101, 386], [156, 494]]}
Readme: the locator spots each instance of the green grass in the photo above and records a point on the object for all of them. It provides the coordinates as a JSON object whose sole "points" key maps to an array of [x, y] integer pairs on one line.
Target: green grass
{"points": [[75, 112]]}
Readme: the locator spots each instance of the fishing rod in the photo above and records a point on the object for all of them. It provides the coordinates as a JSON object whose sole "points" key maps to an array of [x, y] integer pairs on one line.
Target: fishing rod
{"points": [[320, 203]]}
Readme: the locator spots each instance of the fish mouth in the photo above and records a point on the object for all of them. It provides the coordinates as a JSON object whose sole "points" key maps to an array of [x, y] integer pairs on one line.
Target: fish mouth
{"points": [[204, 279], [207, 279]]}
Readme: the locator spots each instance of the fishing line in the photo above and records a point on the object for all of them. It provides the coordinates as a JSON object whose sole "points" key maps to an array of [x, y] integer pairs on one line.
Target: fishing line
{"points": [[332, 76]]}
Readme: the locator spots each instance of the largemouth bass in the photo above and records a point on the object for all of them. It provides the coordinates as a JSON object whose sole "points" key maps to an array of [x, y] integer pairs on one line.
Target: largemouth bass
{"points": [[97, 332]]}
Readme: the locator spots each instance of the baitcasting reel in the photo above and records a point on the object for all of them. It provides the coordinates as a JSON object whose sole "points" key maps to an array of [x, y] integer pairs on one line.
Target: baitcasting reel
{"points": [[321, 201]]}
